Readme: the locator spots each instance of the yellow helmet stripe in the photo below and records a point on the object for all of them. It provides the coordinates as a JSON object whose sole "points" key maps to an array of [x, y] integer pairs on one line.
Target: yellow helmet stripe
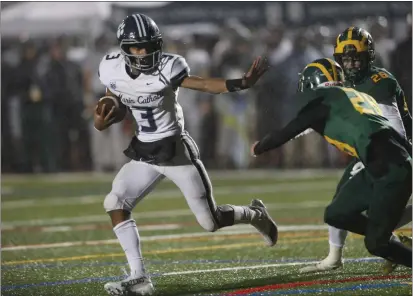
{"points": [[333, 66], [360, 47], [322, 69], [338, 39], [350, 33]]}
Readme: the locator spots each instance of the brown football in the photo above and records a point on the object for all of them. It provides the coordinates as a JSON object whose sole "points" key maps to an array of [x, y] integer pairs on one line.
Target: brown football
{"points": [[109, 101]]}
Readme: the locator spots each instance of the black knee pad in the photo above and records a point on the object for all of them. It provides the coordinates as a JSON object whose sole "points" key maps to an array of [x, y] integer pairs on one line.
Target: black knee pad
{"points": [[224, 215]]}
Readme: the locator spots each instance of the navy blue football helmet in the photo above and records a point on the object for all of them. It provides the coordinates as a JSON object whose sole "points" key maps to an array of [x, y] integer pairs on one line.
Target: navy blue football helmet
{"points": [[139, 30]]}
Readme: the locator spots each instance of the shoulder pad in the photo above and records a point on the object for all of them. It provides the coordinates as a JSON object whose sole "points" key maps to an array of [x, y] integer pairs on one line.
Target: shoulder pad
{"points": [[380, 74], [108, 65], [176, 67], [383, 86]]}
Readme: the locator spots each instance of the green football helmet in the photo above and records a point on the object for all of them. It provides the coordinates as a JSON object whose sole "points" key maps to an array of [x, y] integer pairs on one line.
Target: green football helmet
{"points": [[320, 73]]}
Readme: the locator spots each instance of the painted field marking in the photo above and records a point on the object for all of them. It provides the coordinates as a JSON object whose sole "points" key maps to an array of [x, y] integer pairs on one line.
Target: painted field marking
{"points": [[237, 229], [250, 174], [108, 226], [330, 290], [186, 272], [312, 283], [170, 261], [148, 215], [170, 194], [157, 252]]}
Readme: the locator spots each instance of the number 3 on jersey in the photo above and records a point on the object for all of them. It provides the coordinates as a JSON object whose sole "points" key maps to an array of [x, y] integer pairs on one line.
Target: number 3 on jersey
{"points": [[148, 115]]}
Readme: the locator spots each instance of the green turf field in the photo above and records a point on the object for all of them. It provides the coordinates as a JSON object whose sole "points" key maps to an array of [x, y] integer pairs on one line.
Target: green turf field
{"points": [[57, 240]]}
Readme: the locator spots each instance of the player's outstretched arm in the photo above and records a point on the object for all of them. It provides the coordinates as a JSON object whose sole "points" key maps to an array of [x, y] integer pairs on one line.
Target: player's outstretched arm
{"points": [[311, 114], [220, 85], [278, 138]]}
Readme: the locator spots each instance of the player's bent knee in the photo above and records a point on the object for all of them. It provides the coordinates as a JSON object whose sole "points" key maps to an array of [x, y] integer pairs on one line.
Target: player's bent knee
{"points": [[330, 217], [377, 247], [222, 217], [112, 202]]}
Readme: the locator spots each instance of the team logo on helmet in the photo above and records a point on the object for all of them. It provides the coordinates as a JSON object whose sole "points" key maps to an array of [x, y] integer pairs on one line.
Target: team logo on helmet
{"points": [[121, 29]]}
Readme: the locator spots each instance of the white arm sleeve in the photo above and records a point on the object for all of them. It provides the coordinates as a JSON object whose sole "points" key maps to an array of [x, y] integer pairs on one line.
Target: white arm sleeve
{"points": [[391, 112]]}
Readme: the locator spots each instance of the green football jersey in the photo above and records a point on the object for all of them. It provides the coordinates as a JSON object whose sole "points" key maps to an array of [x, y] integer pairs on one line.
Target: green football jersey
{"points": [[351, 119], [384, 88]]}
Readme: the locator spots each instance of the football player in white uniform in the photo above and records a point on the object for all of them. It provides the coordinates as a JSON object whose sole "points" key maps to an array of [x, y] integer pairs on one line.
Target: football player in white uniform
{"points": [[146, 80]]}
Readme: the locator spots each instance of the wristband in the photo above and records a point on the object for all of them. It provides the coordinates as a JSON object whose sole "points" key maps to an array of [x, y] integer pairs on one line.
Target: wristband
{"points": [[234, 85]]}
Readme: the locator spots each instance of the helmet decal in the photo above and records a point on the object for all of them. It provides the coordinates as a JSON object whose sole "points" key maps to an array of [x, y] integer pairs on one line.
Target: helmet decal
{"points": [[120, 29]]}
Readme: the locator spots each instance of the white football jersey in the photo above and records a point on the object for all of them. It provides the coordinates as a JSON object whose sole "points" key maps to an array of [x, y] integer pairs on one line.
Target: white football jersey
{"points": [[151, 98]]}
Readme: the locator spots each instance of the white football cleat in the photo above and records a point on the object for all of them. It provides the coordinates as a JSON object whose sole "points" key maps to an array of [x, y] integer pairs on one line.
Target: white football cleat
{"points": [[130, 287], [263, 222], [325, 265]]}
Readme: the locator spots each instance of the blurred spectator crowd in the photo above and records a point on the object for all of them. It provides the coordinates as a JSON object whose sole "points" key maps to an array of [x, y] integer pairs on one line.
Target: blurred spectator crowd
{"points": [[49, 88]]}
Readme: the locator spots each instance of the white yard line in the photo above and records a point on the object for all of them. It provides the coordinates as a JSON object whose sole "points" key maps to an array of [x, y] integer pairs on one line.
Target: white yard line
{"points": [[240, 268], [261, 266], [155, 227], [171, 194], [238, 229], [146, 215], [250, 174]]}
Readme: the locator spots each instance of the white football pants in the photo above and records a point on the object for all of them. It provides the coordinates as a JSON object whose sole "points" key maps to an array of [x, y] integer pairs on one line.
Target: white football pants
{"points": [[136, 179]]}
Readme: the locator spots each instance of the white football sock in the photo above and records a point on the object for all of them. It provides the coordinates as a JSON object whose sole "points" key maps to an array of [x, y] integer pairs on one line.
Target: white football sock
{"points": [[128, 237], [337, 238], [406, 217]]}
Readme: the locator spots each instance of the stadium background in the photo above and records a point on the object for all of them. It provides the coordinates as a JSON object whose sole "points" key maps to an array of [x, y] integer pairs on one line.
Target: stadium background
{"points": [[51, 52]]}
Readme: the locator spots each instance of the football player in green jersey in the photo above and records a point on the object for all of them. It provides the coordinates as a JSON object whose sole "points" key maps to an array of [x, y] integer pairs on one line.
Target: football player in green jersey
{"points": [[354, 51], [354, 123]]}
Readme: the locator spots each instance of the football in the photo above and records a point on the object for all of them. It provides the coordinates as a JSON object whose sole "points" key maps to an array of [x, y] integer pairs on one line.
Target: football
{"points": [[109, 101]]}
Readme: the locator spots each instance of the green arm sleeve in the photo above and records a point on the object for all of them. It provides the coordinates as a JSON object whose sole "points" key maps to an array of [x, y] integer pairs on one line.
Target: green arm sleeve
{"points": [[312, 113]]}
